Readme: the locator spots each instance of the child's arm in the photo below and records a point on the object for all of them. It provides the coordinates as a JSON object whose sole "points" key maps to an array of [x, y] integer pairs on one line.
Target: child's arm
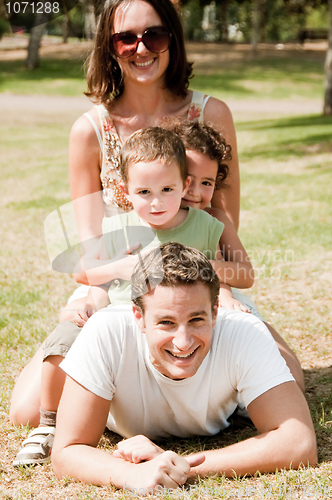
{"points": [[232, 265], [95, 267]]}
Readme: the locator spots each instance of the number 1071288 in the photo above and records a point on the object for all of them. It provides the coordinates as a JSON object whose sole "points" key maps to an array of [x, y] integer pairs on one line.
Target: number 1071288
{"points": [[34, 7]]}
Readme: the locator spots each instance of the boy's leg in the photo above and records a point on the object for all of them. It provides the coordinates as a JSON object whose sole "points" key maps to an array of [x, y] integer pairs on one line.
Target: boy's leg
{"points": [[25, 400], [289, 356], [53, 377], [36, 449]]}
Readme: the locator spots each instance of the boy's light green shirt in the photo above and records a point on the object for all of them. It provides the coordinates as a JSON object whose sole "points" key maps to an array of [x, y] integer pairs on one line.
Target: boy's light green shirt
{"points": [[199, 230]]}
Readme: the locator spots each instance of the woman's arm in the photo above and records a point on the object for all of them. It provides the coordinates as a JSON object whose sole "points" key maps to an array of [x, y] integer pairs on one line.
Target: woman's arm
{"points": [[84, 175], [234, 267], [226, 199]]}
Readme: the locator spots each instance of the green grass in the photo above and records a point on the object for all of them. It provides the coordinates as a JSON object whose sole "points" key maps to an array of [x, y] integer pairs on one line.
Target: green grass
{"points": [[277, 77], [289, 170], [286, 221], [263, 78], [53, 77]]}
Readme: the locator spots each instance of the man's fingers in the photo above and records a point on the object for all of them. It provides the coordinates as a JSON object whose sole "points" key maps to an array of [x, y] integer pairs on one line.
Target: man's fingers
{"points": [[194, 460]]}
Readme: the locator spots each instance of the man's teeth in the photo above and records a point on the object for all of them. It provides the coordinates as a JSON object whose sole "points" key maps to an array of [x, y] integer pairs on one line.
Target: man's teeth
{"points": [[142, 64], [181, 356]]}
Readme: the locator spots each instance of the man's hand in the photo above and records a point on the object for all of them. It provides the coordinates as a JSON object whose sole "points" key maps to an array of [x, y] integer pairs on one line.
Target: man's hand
{"points": [[167, 470], [137, 449]]}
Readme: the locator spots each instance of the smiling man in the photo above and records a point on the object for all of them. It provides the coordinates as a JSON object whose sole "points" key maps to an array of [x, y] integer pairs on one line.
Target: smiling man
{"points": [[175, 367]]}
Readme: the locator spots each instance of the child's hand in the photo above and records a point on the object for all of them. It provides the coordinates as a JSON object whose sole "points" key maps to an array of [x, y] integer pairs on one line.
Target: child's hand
{"points": [[126, 264], [231, 303], [82, 314], [137, 449]]}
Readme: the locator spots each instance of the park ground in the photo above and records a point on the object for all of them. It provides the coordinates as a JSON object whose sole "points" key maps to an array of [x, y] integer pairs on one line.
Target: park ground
{"points": [[285, 147]]}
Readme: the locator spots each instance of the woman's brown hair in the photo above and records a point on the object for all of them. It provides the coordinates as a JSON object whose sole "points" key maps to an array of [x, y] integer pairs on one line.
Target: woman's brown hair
{"points": [[104, 76]]}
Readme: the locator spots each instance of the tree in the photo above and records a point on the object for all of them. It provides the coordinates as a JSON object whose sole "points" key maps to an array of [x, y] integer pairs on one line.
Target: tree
{"points": [[328, 70], [32, 61], [66, 24], [255, 25]]}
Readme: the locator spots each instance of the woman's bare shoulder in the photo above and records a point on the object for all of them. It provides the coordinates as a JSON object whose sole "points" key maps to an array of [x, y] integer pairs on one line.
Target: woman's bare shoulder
{"points": [[83, 128], [217, 111]]}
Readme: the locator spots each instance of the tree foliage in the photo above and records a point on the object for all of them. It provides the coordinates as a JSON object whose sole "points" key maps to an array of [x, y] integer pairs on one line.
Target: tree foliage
{"points": [[277, 20]]}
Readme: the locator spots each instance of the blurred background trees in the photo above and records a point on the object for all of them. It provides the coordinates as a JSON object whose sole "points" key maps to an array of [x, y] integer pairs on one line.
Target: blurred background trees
{"points": [[222, 21], [272, 20], [204, 20]]}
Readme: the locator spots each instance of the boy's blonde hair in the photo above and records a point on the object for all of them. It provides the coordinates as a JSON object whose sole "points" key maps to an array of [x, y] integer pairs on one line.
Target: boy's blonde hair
{"points": [[153, 143], [205, 139]]}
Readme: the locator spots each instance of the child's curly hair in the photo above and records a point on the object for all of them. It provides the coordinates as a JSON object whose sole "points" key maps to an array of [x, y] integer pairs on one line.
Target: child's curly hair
{"points": [[205, 139]]}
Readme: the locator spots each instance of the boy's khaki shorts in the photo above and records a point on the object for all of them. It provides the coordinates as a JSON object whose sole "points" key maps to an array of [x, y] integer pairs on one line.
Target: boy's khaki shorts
{"points": [[61, 339]]}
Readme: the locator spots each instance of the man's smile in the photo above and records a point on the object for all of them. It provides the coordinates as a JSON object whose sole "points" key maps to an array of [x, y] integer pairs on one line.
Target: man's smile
{"points": [[182, 356]]}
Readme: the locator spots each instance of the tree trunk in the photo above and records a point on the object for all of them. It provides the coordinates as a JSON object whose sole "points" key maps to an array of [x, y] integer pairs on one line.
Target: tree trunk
{"points": [[262, 20], [32, 61], [223, 21], [65, 29], [255, 26], [328, 70], [66, 24], [89, 21]]}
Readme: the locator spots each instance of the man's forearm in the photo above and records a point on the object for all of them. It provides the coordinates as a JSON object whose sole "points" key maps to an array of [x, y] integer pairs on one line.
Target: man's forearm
{"points": [[264, 453], [90, 465]]}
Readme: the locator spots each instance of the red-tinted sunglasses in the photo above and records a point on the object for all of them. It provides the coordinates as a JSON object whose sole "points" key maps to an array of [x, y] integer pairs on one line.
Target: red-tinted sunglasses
{"points": [[156, 39]]}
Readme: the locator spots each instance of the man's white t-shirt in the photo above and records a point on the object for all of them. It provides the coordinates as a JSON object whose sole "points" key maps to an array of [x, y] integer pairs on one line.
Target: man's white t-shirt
{"points": [[110, 358]]}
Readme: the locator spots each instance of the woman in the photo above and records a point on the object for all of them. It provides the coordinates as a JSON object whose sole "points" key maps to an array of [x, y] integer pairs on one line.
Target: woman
{"points": [[139, 74]]}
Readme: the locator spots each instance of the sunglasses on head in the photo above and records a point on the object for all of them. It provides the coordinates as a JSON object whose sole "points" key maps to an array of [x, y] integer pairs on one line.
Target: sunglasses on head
{"points": [[156, 39]]}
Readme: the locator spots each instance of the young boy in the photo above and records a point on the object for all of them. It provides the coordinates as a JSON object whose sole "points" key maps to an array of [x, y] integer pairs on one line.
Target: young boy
{"points": [[155, 179]]}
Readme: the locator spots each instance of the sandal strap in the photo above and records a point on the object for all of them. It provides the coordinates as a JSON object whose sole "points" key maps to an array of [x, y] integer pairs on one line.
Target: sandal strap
{"points": [[42, 431], [37, 440]]}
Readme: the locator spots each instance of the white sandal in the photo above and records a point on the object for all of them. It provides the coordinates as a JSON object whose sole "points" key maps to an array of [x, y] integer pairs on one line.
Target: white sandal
{"points": [[36, 449]]}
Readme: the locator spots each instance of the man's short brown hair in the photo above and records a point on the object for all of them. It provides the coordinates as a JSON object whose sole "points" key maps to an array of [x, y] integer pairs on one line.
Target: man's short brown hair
{"points": [[172, 264]]}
